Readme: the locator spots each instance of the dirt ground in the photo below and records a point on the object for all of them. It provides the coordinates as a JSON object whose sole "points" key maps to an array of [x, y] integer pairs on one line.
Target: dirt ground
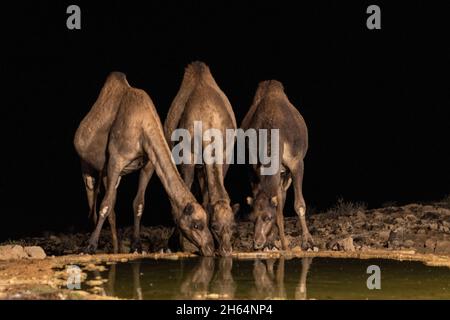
{"points": [[412, 232]]}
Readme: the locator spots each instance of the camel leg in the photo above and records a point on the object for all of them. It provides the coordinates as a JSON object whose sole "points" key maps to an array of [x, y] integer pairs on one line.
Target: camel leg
{"points": [[115, 166], [90, 184], [188, 174], [112, 223], [280, 209], [300, 205], [286, 183], [280, 221], [138, 205]]}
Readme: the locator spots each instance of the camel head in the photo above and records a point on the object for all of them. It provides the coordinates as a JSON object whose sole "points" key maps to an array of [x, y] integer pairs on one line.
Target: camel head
{"points": [[223, 226], [193, 223], [264, 209]]}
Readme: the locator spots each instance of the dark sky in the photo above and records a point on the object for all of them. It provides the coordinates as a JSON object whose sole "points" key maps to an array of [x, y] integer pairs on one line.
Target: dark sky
{"points": [[376, 102]]}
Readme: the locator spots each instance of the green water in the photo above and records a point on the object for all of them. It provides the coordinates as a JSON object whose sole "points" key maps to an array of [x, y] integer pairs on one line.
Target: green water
{"points": [[306, 278]]}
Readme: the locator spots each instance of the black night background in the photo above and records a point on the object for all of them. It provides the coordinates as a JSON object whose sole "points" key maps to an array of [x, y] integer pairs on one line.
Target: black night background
{"points": [[376, 102]]}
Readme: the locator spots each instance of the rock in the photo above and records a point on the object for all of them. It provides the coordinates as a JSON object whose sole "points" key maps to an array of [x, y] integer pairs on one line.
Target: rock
{"points": [[421, 231], [346, 244], [430, 216], [55, 239], [428, 208], [433, 226], [12, 252], [396, 238], [396, 235], [378, 215], [442, 247], [315, 249], [430, 244], [399, 220], [35, 252], [384, 235], [410, 217], [94, 283], [361, 215], [409, 243]]}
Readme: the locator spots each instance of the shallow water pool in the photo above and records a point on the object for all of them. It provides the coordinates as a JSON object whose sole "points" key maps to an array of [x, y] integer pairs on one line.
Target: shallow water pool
{"points": [[297, 278]]}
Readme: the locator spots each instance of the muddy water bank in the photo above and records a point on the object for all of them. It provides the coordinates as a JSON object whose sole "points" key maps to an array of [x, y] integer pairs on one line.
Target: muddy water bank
{"points": [[414, 232], [347, 227], [48, 278]]}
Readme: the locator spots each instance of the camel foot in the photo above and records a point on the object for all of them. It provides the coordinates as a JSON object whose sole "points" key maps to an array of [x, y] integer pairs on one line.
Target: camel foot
{"points": [[307, 241], [136, 246], [90, 249]]}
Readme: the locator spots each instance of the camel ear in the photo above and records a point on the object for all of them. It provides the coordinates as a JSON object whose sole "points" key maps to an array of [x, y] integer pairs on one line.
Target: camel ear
{"points": [[189, 209], [250, 201], [274, 201], [235, 208]]}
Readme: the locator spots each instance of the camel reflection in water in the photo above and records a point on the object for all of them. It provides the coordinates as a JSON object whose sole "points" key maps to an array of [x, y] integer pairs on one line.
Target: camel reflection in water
{"points": [[300, 290], [268, 285], [196, 284], [212, 278]]}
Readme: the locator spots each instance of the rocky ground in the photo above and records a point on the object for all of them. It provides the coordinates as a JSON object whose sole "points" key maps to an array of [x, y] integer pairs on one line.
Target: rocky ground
{"points": [[34, 268], [346, 227]]}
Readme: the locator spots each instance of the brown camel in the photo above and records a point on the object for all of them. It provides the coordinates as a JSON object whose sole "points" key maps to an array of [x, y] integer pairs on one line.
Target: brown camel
{"points": [[271, 109], [200, 99], [135, 141], [91, 139]]}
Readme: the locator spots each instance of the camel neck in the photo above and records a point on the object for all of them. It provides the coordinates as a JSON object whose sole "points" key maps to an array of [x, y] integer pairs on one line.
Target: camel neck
{"points": [[216, 189], [159, 154]]}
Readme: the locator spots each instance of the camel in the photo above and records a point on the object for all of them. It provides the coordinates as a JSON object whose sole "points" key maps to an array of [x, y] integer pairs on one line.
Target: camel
{"points": [[200, 99], [91, 139], [271, 109], [136, 141]]}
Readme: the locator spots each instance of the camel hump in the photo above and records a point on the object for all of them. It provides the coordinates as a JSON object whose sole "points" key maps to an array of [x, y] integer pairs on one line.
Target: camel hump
{"points": [[117, 76], [267, 86], [197, 67], [198, 71], [139, 96]]}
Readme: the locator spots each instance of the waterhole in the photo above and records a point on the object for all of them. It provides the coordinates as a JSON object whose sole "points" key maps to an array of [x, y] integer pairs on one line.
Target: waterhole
{"points": [[299, 278]]}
